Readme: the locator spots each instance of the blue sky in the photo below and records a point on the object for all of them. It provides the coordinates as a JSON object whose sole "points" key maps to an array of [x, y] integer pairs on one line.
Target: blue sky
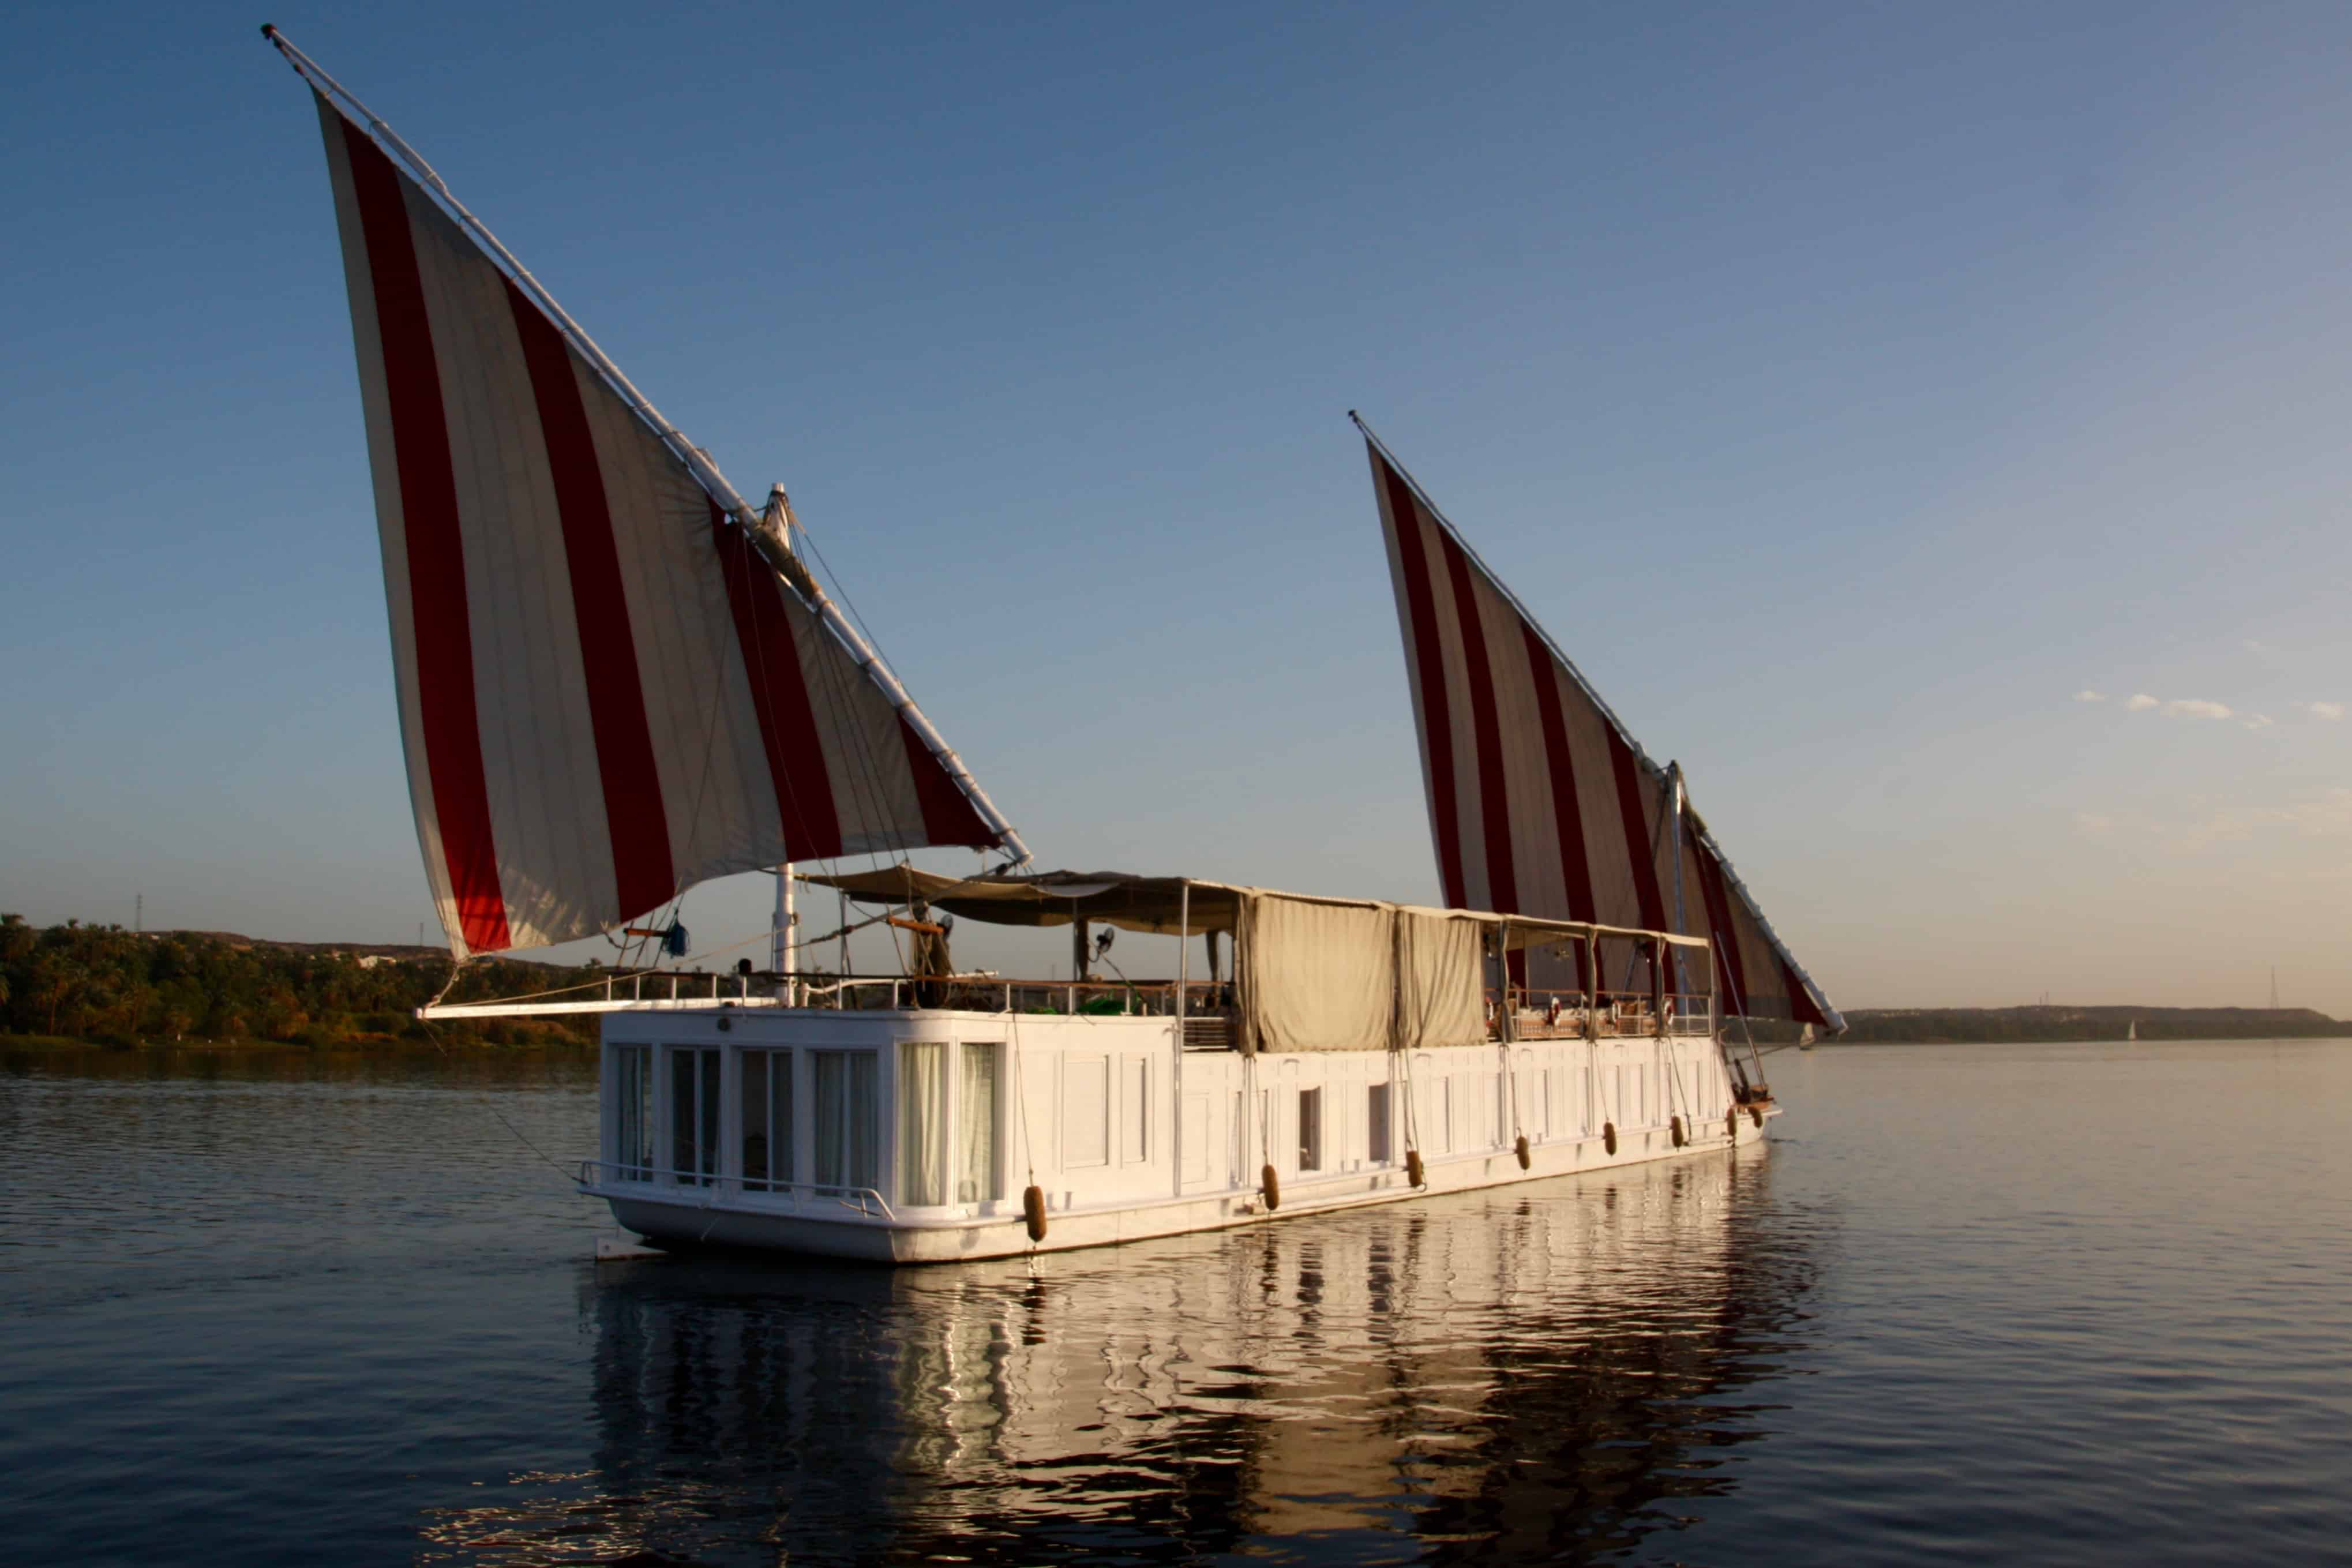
{"points": [[1847, 389]]}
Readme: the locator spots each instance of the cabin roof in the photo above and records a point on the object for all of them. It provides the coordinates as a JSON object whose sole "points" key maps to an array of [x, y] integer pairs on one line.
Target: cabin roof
{"points": [[1159, 904]]}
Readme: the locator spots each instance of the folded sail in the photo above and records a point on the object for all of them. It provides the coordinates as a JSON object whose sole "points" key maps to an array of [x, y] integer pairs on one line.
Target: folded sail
{"points": [[1539, 803], [606, 691]]}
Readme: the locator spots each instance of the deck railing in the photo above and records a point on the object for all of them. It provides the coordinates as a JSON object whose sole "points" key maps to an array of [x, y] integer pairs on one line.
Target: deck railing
{"points": [[1537, 1014], [995, 993], [603, 1174]]}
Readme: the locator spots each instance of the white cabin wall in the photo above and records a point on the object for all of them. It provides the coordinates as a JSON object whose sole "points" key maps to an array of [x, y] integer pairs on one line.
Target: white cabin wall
{"points": [[1167, 1119]]}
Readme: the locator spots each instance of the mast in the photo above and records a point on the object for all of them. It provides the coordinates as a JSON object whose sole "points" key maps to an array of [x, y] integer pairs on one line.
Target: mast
{"points": [[698, 462]]}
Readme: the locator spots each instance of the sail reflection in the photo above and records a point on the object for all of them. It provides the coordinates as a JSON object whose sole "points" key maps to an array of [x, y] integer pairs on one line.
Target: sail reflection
{"points": [[1554, 1370]]}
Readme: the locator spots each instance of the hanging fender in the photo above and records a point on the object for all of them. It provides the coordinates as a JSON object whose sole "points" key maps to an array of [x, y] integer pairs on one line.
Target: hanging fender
{"points": [[1678, 1132], [1756, 1115], [1412, 1172], [1521, 1149], [1731, 1122], [1033, 1205], [1272, 1184], [1609, 1136]]}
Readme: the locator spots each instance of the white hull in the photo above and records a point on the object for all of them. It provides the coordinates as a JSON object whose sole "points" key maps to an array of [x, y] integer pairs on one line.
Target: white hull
{"points": [[1126, 1137]]}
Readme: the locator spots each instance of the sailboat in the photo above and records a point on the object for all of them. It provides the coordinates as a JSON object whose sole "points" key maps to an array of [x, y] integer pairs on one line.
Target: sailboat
{"points": [[2131, 1030], [618, 679]]}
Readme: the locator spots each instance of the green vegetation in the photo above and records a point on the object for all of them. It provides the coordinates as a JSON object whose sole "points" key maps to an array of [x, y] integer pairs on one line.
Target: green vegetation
{"points": [[105, 985]]}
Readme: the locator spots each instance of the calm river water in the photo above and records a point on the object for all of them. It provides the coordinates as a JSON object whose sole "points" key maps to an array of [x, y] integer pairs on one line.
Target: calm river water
{"points": [[2050, 1304]]}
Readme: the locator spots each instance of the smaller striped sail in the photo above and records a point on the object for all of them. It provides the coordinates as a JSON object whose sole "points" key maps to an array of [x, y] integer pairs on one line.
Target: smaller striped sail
{"points": [[1540, 803], [609, 689]]}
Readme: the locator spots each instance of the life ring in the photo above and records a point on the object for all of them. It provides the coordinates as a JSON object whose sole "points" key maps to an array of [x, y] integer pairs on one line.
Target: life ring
{"points": [[1273, 1185], [1609, 1136], [1033, 1204], [1522, 1152]]}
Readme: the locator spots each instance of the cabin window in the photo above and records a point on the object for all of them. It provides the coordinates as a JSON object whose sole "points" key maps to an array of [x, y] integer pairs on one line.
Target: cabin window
{"points": [[767, 1120], [1376, 1123], [1137, 1103], [922, 1124], [1085, 1111], [694, 1116], [633, 1111], [845, 1117], [977, 1180], [1446, 1114], [1310, 1129]]}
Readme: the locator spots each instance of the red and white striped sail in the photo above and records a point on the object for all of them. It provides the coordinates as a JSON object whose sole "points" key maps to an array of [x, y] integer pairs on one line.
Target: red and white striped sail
{"points": [[1538, 801], [606, 691]]}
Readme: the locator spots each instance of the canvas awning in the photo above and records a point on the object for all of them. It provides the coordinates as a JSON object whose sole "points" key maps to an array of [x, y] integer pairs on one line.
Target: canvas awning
{"points": [[1157, 904], [1052, 899]]}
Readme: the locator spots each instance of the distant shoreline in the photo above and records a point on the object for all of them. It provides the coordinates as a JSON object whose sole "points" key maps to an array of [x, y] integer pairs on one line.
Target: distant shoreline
{"points": [[2064, 1026], [73, 986]]}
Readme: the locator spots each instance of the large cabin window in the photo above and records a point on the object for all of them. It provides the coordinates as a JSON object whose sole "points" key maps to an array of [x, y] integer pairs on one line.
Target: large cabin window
{"points": [[633, 1113], [694, 1115], [977, 1177], [767, 1120], [1310, 1129], [845, 1117], [922, 1124]]}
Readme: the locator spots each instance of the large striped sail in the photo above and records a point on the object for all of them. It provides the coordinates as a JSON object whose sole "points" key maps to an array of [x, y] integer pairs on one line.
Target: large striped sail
{"points": [[608, 691], [1539, 801]]}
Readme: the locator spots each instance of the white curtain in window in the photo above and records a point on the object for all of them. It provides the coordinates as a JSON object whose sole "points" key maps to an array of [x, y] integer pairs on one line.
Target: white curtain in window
{"points": [[633, 1134], [845, 1118], [922, 1124], [976, 1126]]}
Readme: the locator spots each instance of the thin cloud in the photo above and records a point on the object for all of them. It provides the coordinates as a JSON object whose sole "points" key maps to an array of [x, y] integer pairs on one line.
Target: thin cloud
{"points": [[2180, 706], [2327, 814], [2087, 695], [2258, 721], [2328, 710], [2091, 822]]}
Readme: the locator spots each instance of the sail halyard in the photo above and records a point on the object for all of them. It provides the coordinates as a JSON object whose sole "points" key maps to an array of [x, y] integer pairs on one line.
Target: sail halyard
{"points": [[492, 429], [1613, 819]]}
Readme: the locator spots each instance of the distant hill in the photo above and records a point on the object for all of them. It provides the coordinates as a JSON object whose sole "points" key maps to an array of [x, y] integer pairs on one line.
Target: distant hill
{"points": [[1931, 1026]]}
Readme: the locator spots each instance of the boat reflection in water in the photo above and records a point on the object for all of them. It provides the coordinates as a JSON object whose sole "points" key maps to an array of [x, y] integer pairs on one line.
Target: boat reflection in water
{"points": [[1549, 1371]]}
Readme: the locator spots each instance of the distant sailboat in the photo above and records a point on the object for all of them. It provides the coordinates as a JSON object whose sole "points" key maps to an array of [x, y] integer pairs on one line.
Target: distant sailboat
{"points": [[2131, 1030]]}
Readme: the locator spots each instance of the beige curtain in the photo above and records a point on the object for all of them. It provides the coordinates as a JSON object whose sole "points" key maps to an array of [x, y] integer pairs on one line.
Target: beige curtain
{"points": [[1441, 981], [976, 1126], [1316, 976], [922, 1124]]}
